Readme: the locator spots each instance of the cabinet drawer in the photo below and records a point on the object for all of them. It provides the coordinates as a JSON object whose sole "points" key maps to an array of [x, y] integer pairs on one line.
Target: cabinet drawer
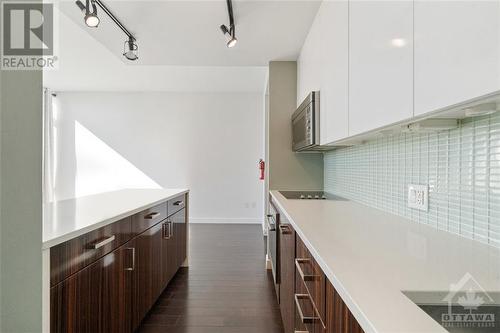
{"points": [[72, 256], [311, 274], [176, 204], [148, 218], [307, 319]]}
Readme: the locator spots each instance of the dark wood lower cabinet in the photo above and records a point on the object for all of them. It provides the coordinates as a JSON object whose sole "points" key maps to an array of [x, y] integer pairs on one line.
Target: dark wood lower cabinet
{"points": [[339, 317], [169, 252], [148, 283], [287, 276], [180, 236], [318, 307], [114, 293], [96, 299]]}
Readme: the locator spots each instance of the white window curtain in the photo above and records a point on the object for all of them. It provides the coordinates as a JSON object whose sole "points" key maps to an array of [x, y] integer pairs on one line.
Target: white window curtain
{"points": [[49, 145]]}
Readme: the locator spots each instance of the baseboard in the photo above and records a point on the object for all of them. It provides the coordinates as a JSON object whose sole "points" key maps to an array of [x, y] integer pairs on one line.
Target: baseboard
{"points": [[225, 220]]}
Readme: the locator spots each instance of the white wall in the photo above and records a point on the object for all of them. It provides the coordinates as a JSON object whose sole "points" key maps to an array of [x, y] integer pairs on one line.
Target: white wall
{"points": [[288, 170], [207, 142]]}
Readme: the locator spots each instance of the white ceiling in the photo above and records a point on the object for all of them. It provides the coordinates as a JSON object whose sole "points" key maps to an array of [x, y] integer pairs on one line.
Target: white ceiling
{"points": [[187, 33], [180, 46]]}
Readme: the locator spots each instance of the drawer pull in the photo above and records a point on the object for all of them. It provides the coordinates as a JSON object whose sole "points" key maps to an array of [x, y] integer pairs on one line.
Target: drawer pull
{"points": [[179, 203], [300, 331], [103, 242], [304, 277], [151, 216], [133, 259], [304, 319], [285, 229]]}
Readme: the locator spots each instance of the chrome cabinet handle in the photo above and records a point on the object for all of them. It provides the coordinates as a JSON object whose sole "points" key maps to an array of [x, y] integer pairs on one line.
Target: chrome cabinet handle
{"points": [[103, 242], [304, 319], [152, 215], [170, 229], [163, 230], [285, 229], [179, 203], [167, 230], [304, 277], [133, 259], [272, 226]]}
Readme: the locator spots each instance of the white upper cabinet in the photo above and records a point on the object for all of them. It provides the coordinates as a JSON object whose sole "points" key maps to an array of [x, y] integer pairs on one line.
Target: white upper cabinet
{"points": [[334, 98], [380, 64], [308, 64], [457, 52], [323, 66]]}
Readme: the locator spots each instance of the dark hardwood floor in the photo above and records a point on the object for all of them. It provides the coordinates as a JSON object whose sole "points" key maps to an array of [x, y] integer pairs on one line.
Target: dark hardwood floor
{"points": [[226, 289]]}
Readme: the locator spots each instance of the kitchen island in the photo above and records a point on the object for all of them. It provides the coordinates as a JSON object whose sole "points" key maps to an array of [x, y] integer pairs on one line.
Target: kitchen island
{"points": [[107, 257]]}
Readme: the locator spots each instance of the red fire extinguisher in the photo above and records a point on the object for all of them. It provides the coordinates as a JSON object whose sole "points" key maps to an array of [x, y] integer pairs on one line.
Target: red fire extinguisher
{"points": [[262, 168]]}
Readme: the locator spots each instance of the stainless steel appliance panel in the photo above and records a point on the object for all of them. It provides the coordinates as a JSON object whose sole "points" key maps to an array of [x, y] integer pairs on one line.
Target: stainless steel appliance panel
{"points": [[305, 124]]}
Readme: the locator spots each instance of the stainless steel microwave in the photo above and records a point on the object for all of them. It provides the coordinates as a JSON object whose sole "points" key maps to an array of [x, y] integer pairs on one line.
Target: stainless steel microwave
{"points": [[305, 124]]}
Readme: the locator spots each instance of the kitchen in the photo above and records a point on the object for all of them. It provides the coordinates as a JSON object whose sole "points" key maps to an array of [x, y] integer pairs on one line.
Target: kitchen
{"points": [[242, 166]]}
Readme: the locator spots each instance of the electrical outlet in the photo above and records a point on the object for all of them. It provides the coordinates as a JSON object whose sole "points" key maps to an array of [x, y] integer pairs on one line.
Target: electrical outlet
{"points": [[418, 197]]}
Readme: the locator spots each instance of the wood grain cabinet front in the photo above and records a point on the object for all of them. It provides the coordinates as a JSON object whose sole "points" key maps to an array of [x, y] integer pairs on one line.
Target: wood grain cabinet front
{"points": [[96, 299], [72, 256], [148, 283], [112, 289], [287, 275], [176, 204], [148, 218], [180, 236], [318, 306], [339, 317]]}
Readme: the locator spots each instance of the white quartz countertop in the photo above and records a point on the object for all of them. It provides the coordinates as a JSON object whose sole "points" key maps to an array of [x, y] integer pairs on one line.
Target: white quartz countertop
{"points": [[67, 219], [371, 256]]}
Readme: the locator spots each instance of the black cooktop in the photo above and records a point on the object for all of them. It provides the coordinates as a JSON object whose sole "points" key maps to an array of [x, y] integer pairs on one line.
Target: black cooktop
{"points": [[310, 195]]}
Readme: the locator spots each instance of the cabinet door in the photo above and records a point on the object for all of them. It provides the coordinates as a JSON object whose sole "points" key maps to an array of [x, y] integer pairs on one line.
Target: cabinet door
{"points": [[457, 52], [169, 252], [309, 63], [380, 64], [338, 317], [97, 298], [287, 275], [180, 233], [333, 19], [148, 279]]}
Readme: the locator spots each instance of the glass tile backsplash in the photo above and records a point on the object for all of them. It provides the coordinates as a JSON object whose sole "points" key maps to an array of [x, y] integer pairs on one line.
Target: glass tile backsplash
{"points": [[461, 167]]}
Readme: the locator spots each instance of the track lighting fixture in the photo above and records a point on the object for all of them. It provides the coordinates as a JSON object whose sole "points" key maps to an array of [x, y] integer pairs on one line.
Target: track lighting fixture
{"points": [[90, 10], [92, 20], [229, 33], [130, 50], [230, 39]]}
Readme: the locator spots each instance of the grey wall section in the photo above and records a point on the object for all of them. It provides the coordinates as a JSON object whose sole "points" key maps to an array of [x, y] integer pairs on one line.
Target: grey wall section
{"points": [[21, 201], [288, 170]]}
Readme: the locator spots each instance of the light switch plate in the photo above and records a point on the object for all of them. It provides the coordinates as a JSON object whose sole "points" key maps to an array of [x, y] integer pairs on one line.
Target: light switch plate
{"points": [[418, 197]]}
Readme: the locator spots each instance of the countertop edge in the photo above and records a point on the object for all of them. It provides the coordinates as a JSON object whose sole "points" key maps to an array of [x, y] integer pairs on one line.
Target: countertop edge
{"points": [[75, 233], [341, 290]]}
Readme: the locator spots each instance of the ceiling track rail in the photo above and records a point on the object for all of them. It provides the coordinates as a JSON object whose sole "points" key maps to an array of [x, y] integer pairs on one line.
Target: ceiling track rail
{"points": [[115, 19]]}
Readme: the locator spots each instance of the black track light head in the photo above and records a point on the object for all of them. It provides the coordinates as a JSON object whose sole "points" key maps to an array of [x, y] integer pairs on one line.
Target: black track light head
{"points": [[80, 5], [224, 29]]}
